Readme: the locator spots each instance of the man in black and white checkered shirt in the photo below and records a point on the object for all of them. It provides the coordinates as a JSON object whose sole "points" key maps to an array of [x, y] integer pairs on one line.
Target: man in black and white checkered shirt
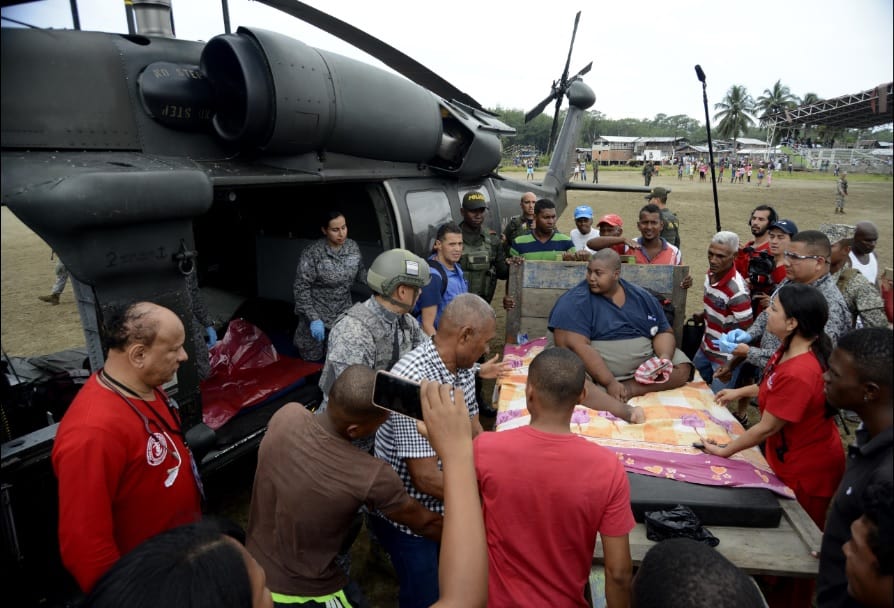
{"points": [[466, 327]]}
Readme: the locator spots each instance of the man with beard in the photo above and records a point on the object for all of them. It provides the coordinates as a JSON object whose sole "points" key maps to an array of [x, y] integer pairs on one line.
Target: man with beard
{"points": [[762, 218]]}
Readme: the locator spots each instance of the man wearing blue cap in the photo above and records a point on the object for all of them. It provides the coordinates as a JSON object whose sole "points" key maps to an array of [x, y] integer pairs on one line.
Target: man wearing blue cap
{"points": [[583, 218]]}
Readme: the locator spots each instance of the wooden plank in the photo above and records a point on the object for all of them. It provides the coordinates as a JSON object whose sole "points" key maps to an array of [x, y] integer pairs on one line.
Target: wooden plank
{"points": [[553, 275], [535, 327], [783, 551], [538, 303], [514, 291], [800, 521]]}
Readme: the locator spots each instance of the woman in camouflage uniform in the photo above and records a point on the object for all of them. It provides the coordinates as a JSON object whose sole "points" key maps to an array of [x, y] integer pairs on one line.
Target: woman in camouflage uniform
{"points": [[326, 270]]}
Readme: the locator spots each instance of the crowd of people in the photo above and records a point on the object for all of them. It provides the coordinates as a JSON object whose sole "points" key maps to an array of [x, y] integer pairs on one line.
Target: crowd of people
{"points": [[793, 323]]}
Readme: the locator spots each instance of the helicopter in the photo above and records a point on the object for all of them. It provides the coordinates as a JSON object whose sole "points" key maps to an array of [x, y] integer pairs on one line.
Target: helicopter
{"points": [[140, 158]]}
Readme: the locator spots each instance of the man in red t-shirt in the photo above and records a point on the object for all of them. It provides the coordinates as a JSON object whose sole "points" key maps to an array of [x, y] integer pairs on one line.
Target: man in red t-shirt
{"points": [[124, 470], [759, 222], [546, 494]]}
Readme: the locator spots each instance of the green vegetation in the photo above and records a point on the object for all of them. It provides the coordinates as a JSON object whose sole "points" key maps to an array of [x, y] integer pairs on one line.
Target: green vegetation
{"points": [[738, 115]]}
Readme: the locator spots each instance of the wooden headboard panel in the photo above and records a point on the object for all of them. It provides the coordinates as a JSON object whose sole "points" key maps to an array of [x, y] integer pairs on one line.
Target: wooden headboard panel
{"points": [[536, 286]]}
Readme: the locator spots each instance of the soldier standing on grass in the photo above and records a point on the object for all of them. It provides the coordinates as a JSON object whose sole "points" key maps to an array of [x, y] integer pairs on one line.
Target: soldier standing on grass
{"points": [[841, 192], [647, 173]]}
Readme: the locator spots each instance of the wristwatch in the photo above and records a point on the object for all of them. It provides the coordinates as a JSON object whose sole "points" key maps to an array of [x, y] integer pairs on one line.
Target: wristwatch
{"points": [[476, 368]]}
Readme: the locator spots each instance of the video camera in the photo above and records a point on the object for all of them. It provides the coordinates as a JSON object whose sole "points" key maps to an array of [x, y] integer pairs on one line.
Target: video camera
{"points": [[760, 269]]}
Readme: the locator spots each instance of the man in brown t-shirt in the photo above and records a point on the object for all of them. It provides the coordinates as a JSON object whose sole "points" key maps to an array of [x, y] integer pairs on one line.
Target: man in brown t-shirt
{"points": [[309, 484]]}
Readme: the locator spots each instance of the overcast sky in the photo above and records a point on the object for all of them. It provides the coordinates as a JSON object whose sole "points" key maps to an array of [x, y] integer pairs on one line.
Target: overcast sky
{"points": [[643, 51]]}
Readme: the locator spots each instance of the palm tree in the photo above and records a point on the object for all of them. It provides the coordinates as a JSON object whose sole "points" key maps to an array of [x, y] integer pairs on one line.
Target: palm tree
{"points": [[810, 98], [777, 99], [774, 100], [735, 113]]}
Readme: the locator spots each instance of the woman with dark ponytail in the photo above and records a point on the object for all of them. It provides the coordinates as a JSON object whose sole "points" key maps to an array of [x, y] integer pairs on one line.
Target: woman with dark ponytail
{"points": [[801, 440]]}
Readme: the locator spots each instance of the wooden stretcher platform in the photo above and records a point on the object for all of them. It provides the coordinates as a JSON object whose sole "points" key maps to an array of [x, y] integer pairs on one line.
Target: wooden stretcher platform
{"points": [[783, 549]]}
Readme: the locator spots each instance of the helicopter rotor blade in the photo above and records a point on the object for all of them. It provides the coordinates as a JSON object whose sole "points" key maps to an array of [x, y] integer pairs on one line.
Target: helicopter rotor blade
{"points": [[559, 88], [564, 81], [586, 69], [538, 109], [552, 131], [390, 56]]}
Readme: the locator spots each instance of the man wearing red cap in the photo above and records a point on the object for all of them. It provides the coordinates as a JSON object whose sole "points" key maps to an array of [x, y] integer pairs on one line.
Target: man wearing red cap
{"points": [[610, 228]]}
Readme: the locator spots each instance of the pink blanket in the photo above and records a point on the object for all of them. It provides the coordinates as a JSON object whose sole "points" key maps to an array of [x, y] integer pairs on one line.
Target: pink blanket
{"points": [[662, 446]]}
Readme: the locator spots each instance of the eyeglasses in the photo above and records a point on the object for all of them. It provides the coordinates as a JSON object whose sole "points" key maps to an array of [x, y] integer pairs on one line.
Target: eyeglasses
{"points": [[791, 255]]}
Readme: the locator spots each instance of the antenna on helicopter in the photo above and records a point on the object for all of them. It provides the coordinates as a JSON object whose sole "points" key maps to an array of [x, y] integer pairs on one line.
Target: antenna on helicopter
{"points": [[559, 88]]}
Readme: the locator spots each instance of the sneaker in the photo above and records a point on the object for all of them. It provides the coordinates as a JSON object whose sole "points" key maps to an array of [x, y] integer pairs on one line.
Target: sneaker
{"points": [[53, 298]]}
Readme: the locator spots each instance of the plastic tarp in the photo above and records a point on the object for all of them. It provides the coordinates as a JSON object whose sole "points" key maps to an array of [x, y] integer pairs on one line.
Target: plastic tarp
{"points": [[246, 371]]}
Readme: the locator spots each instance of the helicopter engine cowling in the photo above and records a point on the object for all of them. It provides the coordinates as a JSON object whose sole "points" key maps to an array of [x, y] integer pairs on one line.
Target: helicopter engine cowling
{"points": [[278, 95]]}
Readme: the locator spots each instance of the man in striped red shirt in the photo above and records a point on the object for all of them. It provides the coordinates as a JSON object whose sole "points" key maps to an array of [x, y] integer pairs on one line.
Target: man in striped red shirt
{"points": [[727, 306]]}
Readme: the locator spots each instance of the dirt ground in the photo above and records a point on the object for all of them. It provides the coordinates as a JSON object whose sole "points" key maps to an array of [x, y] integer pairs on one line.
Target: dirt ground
{"points": [[31, 327]]}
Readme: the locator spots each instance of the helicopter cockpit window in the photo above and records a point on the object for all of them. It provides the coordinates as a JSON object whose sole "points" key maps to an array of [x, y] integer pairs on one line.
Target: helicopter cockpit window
{"points": [[428, 209]]}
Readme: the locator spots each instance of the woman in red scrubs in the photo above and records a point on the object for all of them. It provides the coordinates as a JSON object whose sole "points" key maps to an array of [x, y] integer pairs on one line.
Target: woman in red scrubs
{"points": [[801, 441]]}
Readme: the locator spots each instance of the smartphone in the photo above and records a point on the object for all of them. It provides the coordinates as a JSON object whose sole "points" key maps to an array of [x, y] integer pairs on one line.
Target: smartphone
{"points": [[397, 394]]}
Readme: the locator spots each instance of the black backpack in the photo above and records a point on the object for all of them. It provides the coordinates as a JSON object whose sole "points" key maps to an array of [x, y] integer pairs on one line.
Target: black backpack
{"points": [[435, 265]]}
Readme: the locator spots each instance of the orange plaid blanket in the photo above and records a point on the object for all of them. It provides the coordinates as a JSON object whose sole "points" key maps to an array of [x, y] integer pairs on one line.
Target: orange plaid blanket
{"points": [[662, 446]]}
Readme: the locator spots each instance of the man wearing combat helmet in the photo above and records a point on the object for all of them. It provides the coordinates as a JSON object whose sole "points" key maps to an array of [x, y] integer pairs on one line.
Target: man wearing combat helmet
{"points": [[379, 331]]}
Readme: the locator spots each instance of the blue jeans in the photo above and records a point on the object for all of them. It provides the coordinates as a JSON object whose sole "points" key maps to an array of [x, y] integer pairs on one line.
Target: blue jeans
{"points": [[706, 369], [415, 559]]}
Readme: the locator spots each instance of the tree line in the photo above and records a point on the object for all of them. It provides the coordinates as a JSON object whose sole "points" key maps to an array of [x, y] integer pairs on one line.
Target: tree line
{"points": [[737, 115]]}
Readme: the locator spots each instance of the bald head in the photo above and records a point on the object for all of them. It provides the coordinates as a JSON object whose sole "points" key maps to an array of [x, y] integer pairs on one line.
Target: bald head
{"points": [[350, 399], [135, 322], [608, 257], [466, 310]]}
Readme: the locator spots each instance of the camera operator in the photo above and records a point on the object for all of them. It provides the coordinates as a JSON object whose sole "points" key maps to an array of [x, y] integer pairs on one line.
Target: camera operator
{"points": [[761, 218]]}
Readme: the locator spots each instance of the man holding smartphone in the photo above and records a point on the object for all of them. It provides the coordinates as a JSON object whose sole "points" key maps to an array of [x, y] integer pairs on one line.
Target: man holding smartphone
{"points": [[466, 327], [302, 505]]}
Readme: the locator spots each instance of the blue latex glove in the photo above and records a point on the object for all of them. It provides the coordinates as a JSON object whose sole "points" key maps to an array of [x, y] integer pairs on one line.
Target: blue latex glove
{"points": [[737, 336], [725, 346], [211, 336], [318, 330]]}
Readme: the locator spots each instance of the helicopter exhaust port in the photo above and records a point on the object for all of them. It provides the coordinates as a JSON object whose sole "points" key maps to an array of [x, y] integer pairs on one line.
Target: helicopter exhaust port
{"points": [[278, 95]]}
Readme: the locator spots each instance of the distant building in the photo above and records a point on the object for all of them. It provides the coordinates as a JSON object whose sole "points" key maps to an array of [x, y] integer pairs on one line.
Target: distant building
{"points": [[619, 149]]}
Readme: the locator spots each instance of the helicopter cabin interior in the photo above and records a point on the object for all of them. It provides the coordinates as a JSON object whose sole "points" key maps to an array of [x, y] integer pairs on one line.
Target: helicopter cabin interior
{"points": [[250, 240]]}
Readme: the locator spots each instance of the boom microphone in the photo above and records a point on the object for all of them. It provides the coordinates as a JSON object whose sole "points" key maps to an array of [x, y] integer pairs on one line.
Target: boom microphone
{"points": [[699, 73]]}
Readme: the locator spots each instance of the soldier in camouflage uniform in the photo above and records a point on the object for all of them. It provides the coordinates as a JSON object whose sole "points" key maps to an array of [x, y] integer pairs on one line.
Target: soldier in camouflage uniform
{"points": [[863, 299], [520, 224], [483, 262], [484, 259], [380, 330], [648, 170], [322, 288]]}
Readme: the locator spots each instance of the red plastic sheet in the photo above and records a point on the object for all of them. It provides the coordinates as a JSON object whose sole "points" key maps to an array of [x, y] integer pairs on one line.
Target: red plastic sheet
{"points": [[246, 370]]}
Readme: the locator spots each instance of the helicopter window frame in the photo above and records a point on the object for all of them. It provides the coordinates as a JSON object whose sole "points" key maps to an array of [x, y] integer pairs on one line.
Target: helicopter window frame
{"points": [[428, 209]]}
